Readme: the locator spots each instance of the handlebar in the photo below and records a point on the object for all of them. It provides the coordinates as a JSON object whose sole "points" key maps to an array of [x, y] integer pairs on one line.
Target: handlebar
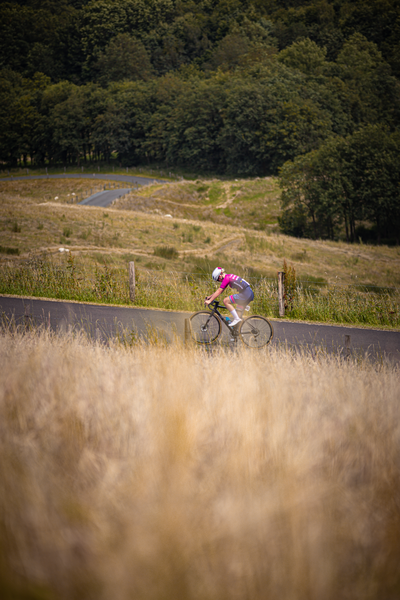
{"points": [[215, 304]]}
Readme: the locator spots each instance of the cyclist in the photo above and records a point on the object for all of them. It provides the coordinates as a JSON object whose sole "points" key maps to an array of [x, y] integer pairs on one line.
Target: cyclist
{"points": [[242, 299]]}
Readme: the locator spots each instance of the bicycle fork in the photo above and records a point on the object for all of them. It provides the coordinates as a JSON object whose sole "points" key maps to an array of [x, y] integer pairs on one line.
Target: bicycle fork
{"points": [[204, 327]]}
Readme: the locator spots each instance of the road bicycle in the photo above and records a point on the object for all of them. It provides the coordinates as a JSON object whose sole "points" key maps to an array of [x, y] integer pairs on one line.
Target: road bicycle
{"points": [[206, 327]]}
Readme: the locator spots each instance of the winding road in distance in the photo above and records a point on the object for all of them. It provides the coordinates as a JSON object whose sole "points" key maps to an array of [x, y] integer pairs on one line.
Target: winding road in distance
{"points": [[103, 198], [102, 322]]}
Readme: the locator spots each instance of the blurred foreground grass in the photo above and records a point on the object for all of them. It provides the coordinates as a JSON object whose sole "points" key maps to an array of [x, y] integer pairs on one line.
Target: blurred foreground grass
{"points": [[126, 473]]}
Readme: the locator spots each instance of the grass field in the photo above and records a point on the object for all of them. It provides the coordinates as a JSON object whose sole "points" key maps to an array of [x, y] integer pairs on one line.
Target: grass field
{"points": [[126, 473], [187, 228], [249, 204]]}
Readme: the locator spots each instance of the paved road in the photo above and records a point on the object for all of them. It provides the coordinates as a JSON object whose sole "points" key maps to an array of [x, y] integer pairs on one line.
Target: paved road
{"points": [[104, 321], [103, 198]]}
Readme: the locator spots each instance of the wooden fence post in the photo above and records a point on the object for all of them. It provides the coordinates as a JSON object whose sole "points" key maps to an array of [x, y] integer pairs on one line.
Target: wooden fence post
{"points": [[188, 336], [281, 292], [347, 345], [132, 281]]}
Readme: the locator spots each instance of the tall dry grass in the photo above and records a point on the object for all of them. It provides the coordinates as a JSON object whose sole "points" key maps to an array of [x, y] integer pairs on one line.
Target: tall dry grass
{"points": [[165, 473]]}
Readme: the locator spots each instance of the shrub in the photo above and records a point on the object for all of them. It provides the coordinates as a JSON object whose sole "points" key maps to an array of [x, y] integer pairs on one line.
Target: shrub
{"points": [[8, 250], [166, 252]]}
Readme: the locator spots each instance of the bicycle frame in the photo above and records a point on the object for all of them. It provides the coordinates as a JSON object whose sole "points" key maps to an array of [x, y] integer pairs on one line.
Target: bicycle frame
{"points": [[232, 330]]}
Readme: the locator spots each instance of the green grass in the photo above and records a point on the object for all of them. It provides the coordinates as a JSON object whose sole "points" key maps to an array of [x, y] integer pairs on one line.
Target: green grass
{"points": [[337, 304], [249, 203], [69, 278], [9, 250], [166, 252], [99, 169], [216, 193]]}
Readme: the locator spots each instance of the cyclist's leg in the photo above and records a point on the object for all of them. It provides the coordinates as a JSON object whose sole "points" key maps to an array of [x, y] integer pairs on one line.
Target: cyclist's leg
{"points": [[242, 300], [229, 303]]}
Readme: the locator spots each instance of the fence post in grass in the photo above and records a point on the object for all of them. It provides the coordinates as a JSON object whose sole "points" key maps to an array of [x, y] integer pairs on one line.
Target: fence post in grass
{"points": [[132, 281], [281, 292], [187, 332], [347, 341]]}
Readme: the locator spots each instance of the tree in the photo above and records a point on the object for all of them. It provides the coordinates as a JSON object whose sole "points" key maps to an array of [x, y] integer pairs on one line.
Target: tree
{"points": [[20, 118], [372, 92], [195, 125], [270, 119], [305, 56], [127, 119], [374, 154], [124, 58], [41, 37], [313, 198], [346, 181], [378, 21], [102, 20], [71, 121], [11, 87], [229, 52]]}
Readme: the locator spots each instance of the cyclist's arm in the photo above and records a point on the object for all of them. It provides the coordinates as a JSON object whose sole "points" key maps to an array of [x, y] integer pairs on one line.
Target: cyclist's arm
{"points": [[214, 295]]}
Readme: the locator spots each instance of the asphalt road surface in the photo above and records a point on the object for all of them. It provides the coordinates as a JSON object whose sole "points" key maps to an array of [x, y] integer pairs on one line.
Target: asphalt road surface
{"points": [[101, 198], [102, 322], [104, 198]]}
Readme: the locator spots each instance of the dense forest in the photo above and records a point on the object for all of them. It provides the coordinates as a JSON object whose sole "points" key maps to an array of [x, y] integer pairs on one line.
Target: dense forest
{"points": [[308, 89]]}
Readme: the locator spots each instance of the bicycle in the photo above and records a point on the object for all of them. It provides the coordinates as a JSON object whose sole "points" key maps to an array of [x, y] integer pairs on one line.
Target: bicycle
{"points": [[206, 328]]}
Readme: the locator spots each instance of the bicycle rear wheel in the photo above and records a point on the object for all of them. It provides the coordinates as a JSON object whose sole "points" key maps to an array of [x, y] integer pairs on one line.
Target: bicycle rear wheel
{"points": [[205, 327], [256, 331]]}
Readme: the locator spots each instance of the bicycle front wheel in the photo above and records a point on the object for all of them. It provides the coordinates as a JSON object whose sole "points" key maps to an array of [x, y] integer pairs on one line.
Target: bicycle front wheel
{"points": [[205, 327], [256, 331]]}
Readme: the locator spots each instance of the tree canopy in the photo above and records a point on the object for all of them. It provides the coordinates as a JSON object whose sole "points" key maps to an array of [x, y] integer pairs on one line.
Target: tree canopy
{"points": [[246, 87], [345, 183]]}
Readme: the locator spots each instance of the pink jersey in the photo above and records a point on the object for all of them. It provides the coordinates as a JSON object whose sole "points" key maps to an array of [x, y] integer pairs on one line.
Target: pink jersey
{"points": [[235, 282]]}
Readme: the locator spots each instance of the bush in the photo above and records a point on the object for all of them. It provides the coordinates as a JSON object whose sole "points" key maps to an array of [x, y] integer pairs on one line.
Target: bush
{"points": [[15, 228], [166, 252], [8, 250]]}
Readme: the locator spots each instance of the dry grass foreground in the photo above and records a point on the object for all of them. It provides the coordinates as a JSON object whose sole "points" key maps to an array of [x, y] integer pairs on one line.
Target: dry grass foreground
{"points": [[32, 221], [153, 473]]}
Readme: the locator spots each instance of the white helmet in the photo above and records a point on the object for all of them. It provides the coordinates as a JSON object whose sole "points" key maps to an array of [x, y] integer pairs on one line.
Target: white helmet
{"points": [[217, 272]]}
